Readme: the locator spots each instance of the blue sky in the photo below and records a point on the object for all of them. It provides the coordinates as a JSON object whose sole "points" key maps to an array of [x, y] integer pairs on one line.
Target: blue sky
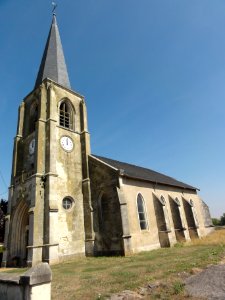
{"points": [[152, 73]]}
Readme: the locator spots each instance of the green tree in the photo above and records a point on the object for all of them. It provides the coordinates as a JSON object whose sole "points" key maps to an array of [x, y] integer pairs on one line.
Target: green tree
{"points": [[216, 222], [222, 220], [3, 211]]}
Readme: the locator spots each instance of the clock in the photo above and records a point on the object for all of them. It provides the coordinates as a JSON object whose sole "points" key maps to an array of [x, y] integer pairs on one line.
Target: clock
{"points": [[66, 143], [32, 147]]}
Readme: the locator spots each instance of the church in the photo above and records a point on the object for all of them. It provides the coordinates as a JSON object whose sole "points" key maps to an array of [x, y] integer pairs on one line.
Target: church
{"points": [[65, 201]]}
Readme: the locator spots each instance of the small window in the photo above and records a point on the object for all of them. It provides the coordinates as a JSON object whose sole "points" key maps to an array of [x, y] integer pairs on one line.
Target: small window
{"points": [[65, 115], [163, 200], [141, 212], [177, 201], [67, 203]]}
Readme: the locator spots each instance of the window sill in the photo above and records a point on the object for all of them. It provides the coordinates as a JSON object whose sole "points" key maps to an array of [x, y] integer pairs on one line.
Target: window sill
{"points": [[68, 129], [144, 230]]}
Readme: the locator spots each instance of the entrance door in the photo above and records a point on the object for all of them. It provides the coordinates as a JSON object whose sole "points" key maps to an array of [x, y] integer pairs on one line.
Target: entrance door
{"points": [[19, 234]]}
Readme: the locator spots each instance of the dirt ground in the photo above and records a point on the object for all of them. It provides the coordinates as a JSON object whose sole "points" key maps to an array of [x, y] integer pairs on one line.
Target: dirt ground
{"points": [[208, 284]]}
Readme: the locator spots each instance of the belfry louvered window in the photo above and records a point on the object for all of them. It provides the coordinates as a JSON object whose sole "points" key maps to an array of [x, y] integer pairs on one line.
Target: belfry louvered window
{"points": [[33, 116], [141, 212], [65, 115]]}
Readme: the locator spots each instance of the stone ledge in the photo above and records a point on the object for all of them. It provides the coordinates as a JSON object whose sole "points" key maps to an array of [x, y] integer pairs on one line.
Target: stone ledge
{"points": [[9, 278], [37, 275]]}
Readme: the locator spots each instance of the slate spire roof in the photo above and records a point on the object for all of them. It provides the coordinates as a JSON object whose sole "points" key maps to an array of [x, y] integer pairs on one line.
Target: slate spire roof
{"points": [[53, 64]]}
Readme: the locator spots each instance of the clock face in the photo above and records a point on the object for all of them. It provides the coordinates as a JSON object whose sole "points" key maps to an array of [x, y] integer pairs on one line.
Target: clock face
{"points": [[32, 147], [66, 143]]}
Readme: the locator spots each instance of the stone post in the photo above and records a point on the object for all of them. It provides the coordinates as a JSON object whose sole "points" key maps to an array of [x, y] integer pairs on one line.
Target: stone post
{"points": [[35, 284]]}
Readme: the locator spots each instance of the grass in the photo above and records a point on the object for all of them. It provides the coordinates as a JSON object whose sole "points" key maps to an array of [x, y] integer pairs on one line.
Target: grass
{"points": [[1, 248], [178, 287], [96, 278]]}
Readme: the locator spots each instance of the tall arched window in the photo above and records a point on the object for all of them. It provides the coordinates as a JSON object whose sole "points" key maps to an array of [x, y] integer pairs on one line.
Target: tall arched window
{"points": [[33, 116], [66, 115], [141, 212]]}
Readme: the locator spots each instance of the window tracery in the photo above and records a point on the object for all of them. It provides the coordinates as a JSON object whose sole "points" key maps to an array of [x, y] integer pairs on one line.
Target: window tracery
{"points": [[66, 115]]}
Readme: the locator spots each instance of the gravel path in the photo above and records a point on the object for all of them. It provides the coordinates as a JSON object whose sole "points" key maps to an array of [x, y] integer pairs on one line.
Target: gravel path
{"points": [[209, 284]]}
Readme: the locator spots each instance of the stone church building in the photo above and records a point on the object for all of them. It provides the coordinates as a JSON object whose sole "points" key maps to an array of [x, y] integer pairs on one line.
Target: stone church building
{"points": [[65, 201]]}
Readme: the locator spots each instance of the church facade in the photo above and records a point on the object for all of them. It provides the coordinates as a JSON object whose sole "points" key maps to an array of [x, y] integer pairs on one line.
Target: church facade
{"points": [[65, 201]]}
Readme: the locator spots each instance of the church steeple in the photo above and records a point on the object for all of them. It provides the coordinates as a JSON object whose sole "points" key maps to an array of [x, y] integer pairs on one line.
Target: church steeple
{"points": [[53, 64]]}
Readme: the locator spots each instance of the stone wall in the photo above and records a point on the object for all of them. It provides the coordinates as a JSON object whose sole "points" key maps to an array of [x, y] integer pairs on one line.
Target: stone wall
{"points": [[106, 209], [206, 212], [179, 218], [172, 214], [35, 284]]}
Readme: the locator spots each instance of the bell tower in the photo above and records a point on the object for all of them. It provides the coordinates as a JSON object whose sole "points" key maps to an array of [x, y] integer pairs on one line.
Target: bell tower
{"points": [[49, 213]]}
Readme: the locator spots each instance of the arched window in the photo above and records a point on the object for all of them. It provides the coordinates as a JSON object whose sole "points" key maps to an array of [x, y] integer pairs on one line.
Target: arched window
{"points": [[141, 212], [33, 116], [66, 115]]}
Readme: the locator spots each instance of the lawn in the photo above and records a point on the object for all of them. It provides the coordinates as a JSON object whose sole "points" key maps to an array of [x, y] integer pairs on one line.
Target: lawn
{"points": [[96, 278]]}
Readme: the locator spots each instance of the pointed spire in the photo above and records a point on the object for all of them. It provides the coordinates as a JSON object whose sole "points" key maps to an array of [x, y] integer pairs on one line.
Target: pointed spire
{"points": [[53, 64]]}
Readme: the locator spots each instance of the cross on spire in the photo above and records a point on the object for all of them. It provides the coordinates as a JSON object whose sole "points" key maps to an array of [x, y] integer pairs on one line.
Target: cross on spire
{"points": [[54, 7]]}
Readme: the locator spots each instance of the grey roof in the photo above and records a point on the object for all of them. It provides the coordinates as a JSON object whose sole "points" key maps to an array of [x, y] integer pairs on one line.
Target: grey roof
{"points": [[53, 64], [143, 173]]}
